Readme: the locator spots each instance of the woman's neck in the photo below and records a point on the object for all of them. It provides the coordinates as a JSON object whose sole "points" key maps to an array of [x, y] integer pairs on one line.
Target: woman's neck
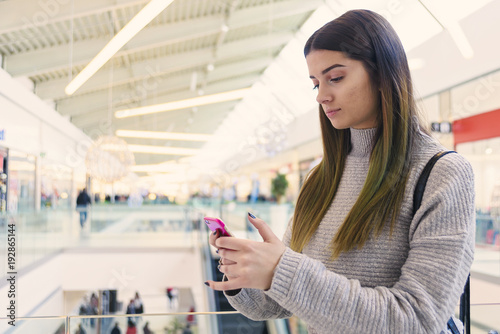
{"points": [[362, 142]]}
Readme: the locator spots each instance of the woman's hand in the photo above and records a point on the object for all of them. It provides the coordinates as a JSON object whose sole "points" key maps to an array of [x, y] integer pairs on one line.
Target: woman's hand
{"points": [[247, 263], [211, 240]]}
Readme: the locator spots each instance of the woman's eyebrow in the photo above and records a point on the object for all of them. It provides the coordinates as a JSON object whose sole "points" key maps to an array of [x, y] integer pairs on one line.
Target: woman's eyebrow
{"points": [[329, 68]]}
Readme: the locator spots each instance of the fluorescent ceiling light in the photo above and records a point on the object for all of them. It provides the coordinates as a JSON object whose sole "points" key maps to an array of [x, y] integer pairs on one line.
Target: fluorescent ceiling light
{"points": [[182, 104], [163, 135], [146, 15], [162, 150]]}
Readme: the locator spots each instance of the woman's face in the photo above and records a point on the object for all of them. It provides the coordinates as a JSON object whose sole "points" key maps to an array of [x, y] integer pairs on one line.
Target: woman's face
{"points": [[345, 90]]}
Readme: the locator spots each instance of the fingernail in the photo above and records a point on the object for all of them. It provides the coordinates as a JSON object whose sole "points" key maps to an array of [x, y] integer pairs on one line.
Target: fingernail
{"points": [[218, 267], [251, 215], [217, 251], [206, 283]]}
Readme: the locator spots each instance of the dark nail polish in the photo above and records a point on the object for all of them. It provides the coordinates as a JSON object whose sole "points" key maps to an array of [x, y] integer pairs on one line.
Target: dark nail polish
{"points": [[251, 215], [206, 283], [218, 267], [217, 251]]}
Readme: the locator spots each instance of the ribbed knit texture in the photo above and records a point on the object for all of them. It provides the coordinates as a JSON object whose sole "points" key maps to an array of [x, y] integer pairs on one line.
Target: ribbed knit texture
{"points": [[409, 282]]}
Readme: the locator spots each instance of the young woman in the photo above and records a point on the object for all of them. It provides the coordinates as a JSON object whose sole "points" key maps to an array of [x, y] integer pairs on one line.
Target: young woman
{"points": [[355, 258]]}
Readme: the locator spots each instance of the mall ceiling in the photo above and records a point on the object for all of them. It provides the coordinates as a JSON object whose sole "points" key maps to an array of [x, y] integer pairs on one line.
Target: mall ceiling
{"points": [[192, 48], [202, 47]]}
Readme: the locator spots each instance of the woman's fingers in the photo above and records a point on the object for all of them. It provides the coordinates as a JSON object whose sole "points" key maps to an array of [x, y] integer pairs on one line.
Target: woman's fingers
{"points": [[226, 261], [247, 263], [230, 243], [232, 284], [213, 237], [229, 270]]}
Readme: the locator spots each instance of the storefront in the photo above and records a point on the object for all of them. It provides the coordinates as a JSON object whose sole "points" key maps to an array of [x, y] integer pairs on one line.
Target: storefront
{"points": [[56, 186], [40, 151], [21, 182], [478, 139], [3, 179]]}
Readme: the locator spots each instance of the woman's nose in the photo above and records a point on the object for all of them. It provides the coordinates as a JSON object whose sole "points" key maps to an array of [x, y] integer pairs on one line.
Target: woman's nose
{"points": [[323, 96]]}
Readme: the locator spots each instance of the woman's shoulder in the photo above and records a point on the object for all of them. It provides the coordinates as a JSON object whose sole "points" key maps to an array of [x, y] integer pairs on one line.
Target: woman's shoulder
{"points": [[425, 147]]}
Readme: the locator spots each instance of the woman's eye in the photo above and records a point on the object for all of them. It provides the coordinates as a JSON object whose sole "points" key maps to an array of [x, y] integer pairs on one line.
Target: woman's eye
{"points": [[315, 87], [337, 79]]}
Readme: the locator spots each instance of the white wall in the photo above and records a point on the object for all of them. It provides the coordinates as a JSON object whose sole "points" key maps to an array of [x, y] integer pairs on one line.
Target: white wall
{"points": [[33, 127], [37, 292], [477, 96], [131, 270]]}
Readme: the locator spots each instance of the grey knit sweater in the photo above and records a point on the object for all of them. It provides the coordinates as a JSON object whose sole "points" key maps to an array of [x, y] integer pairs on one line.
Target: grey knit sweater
{"points": [[407, 283]]}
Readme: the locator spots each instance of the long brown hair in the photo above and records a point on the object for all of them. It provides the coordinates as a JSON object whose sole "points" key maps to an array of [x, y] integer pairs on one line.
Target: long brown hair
{"points": [[367, 37]]}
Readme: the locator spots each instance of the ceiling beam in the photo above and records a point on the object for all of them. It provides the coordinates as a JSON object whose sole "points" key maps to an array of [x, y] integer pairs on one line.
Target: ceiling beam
{"points": [[27, 14], [144, 92], [56, 58], [146, 70], [96, 116], [271, 12], [148, 75], [206, 120]]}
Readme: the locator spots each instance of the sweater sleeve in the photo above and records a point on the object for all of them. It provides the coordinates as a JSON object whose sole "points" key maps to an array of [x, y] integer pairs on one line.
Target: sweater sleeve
{"points": [[441, 240]]}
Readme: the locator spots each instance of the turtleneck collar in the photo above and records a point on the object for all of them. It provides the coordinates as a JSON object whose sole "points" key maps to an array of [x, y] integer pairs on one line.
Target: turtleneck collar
{"points": [[362, 142]]}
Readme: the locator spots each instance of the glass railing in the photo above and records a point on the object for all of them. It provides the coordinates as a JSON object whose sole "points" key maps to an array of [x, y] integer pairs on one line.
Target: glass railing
{"points": [[484, 319], [166, 323], [36, 236], [34, 325], [41, 234], [177, 323]]}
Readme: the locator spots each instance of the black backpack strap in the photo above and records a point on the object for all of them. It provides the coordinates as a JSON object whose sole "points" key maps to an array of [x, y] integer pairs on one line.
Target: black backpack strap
{"points": [[464, 311], [465, 306], [417, 201], [422, 181]]}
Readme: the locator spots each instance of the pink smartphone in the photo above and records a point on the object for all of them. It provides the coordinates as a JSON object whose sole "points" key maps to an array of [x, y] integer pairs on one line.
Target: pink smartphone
{"points": [[215, 224]]}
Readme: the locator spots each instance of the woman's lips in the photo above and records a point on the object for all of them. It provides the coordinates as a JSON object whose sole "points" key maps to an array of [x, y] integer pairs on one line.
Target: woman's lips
{"points": [[332, 112]]}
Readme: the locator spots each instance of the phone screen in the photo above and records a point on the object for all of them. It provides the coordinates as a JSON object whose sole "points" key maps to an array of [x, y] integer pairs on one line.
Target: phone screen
{"points": [[215, 224]]}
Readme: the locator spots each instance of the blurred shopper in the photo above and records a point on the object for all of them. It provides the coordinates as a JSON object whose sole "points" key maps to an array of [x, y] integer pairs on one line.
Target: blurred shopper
{"points": [[138, 306], [94, 303], [116, 329], [131, 328], [82, 203], [190, 317], [85, 309], [80, 330], [130, 309], [355, 258], [187, 330], [146, 329], [172, 294]]}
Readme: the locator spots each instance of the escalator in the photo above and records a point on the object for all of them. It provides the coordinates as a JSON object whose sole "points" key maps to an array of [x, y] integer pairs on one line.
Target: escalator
{"points": [[233, 323]]}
